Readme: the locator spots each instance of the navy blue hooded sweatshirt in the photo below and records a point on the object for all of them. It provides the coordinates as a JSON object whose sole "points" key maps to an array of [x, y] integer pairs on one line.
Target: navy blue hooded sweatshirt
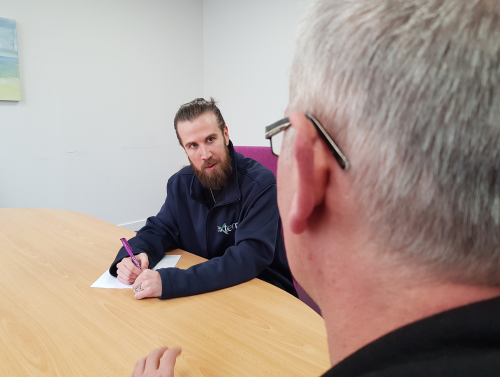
{"points": [[240, 235]]}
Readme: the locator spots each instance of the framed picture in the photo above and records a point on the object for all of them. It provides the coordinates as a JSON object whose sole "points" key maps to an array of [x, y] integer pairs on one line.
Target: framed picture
{"points": [[10, 85]]}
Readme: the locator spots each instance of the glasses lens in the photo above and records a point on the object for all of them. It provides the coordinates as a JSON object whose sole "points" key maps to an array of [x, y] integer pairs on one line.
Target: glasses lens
{"points": [[276, 142]]}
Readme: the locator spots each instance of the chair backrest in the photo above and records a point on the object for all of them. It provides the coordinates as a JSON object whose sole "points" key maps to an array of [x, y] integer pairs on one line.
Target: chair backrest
{"points": [[270, 161], [262, 155]]}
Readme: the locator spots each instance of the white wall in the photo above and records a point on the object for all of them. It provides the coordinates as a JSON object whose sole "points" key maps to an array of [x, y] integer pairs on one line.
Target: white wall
{"points": [[248, 48], [101, 82]]}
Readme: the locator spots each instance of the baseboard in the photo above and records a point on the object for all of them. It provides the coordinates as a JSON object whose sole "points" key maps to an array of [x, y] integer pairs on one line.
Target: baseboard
{"points": [[135, 226]]}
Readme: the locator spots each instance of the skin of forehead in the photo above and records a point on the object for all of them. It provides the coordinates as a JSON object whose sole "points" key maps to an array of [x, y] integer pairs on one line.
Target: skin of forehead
{"points": [[198, 129]]}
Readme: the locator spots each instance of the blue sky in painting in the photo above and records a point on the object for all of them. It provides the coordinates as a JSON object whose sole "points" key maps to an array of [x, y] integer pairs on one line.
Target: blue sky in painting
{"points": [[8, 38]]}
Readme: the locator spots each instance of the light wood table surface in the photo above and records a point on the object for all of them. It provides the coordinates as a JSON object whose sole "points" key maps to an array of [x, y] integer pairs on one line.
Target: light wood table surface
{"points": [[53, 323]]}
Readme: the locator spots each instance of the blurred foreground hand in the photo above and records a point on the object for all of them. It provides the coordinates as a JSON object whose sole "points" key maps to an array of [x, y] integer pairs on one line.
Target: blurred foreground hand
{"points": [[159, 363]]}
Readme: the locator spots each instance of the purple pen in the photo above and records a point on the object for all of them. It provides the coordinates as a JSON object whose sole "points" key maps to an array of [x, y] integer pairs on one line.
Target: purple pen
{"points": [[129, 251]]}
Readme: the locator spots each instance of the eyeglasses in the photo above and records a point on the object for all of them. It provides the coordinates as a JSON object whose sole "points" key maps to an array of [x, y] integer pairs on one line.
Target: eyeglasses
{"points": [[275, 135]]}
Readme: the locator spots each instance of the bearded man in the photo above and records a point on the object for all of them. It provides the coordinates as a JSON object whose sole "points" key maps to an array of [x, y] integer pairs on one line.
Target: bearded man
{"points": [[223, 208]]}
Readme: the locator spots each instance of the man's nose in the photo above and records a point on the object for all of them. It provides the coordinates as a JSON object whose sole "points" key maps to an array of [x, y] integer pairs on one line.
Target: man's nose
{"points": [[205, 153]]}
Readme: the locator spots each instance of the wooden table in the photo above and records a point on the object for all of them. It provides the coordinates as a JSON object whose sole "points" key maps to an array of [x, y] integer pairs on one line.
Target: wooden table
{"points": [[53, 323]]}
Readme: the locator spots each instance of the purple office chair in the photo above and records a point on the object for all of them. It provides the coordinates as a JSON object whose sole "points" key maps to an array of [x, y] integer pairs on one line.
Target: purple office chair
{"points": [[270, 161]]}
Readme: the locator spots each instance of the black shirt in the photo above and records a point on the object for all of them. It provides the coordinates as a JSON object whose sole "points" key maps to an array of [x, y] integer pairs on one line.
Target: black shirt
{"points": [[461, 342]]}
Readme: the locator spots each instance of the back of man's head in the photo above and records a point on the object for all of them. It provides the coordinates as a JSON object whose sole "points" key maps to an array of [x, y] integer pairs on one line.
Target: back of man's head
{"points": [[410, 90]]}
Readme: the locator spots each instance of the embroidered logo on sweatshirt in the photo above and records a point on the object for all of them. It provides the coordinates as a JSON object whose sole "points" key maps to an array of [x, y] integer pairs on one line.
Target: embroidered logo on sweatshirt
{"points": [[227, 228]]}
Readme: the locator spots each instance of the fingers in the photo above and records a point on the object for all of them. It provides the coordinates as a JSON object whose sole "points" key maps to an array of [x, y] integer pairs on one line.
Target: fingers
{"points": [[139, 368], [127, 272], [143, 260], [124, 279], [160, 363], [167, 362], [148, 284], [153, 359]]}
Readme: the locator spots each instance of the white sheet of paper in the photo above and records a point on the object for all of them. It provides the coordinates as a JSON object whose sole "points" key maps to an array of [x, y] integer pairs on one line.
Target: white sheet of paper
{"points": [[108, 281]]}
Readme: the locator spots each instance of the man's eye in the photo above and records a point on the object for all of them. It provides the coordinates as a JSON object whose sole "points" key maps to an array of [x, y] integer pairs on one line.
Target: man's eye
{"points": [[210, 139], [192, 146]]}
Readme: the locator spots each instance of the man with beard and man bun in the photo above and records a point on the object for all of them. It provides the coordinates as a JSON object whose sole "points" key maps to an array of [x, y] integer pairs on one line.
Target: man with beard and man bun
{"points": [[223, 207]]}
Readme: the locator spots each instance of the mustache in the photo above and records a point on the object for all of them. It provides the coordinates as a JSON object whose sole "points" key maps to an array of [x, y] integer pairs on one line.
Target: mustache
{"points": [[210, 162]]}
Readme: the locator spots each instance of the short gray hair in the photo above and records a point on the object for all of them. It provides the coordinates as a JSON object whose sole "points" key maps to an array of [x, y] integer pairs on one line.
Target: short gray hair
{"points": [[410, 90]]}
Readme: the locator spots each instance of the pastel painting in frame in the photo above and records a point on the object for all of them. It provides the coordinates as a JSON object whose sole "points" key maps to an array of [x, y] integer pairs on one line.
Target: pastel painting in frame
{"points": [[10, 85]]}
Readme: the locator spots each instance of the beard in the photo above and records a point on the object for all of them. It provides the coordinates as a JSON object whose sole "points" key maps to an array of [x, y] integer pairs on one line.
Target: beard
{"points": [[217, 178]]}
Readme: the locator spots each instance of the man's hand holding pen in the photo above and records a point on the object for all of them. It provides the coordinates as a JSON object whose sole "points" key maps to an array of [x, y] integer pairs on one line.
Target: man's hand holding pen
{"points": [[147, 283], [128, 272]]}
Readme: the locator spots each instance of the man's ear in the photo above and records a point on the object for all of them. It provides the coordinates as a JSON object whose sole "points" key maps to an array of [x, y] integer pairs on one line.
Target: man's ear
{"points": [[309, 158], [226, 135]]}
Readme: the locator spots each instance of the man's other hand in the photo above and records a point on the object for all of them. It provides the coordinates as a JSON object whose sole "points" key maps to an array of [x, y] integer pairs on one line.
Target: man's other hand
{"points": [[159, 363], [148, 284], [127, 271]]}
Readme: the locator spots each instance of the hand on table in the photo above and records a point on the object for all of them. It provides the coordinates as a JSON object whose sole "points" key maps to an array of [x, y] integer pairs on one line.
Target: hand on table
{"points": [[159, 363], [148, 284], [127, 271]]}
